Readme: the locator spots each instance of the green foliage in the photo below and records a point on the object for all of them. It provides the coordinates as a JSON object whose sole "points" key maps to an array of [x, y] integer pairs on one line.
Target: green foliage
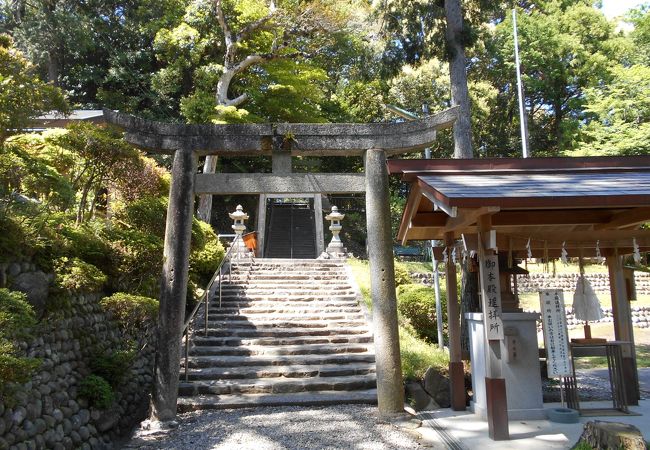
{"points": [[97, 391], [14, 369], [135, 261], [16, 315], [417, 304], [204, 262], [73, 274], [621, 114], [16, 320], [418, 355], [113, 367], [11, 239], [23, 95], [147, 214], [133, 313], [401, 274], [27, 168]]}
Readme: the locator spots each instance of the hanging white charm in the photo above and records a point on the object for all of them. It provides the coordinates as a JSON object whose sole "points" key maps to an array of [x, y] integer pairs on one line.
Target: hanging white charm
{"points": [[445, 256], [599, 257], [636, 255], [564, 254], [530, 252], [453, 255]]}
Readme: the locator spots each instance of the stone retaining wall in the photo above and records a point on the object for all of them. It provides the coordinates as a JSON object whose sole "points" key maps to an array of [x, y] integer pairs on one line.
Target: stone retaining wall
{"points": [[47, 412], [567, 282], [640, 317], [564, 281]]}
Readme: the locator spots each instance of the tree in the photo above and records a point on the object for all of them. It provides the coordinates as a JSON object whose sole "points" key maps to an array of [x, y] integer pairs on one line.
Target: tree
{"points": [[566, 47], [22, 95], [619, 113]]}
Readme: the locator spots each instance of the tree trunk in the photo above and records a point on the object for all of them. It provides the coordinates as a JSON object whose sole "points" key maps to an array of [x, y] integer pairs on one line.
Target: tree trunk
{"points": [[462, 144], [458, 76], [469, 301], [204, 212]]}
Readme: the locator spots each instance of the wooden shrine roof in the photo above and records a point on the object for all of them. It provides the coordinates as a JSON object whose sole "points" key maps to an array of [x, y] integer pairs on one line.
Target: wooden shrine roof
{"points": [[578, 201]]}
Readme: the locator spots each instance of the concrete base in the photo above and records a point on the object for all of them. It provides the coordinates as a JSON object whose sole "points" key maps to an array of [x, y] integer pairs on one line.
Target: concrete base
{"points": [[521, 373]]}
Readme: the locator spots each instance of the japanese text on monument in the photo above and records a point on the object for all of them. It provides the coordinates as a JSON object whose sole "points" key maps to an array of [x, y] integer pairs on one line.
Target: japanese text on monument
{"points": [[491, 297], [556, 336]]}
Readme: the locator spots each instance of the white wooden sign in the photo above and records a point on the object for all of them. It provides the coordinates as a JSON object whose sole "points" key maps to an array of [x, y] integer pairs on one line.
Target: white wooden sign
{"points": [[556, 335], [491, 297]]}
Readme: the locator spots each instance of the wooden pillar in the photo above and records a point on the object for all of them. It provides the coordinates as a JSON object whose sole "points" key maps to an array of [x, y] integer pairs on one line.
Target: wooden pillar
{"points": [[495, 384], [456, 372], [173, 290], [623, 328], [390, 390]]}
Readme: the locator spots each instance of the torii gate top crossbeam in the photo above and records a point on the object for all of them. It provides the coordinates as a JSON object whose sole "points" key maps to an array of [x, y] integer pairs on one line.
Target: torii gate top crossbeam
{"points": [[336, 139]]}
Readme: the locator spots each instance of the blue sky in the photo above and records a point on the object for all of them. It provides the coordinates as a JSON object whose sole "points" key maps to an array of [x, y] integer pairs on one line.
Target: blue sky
{"points": [[613, 8]]}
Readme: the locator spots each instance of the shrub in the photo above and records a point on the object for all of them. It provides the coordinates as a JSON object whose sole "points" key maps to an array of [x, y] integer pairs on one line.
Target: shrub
{"points": [[16, 315], [417, 304], [113, 367], [133, 313], [16, 319], [136, 261], [147, 214], [73, 274], [97, 391], [204, 262], [401, 275], [12, 240], [13, 368]]}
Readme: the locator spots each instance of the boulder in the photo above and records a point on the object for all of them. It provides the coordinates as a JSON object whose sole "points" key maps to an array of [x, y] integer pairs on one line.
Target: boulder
{"points": [[35, 285], [421, 401], [606, 435], [436, 383]]}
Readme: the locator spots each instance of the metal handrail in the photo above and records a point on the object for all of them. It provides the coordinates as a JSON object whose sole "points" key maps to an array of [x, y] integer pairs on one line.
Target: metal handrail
{"points": [[218, 275]]}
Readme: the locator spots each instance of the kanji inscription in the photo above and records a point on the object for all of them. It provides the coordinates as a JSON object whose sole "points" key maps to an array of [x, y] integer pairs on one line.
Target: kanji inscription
{"points": [[556, 335], [491, 294]]}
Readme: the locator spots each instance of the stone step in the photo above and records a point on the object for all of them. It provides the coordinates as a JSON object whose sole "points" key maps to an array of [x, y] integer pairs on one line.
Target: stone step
{"points": [[280, 324], [298, 287], [229, 341], [216, 315], [280, 350], [280, 332], [286, 298], [289, 371], [274, 360], [274, 277], [186, 404], [286, 308], [281, 304], [266, 386], [229, 291]]}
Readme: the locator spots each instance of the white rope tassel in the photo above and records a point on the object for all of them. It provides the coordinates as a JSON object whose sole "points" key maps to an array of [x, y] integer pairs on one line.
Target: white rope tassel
{"points": [[564, 254], [453, 255], [528, 250], [636, 255], [599, 257], [445, 256]]}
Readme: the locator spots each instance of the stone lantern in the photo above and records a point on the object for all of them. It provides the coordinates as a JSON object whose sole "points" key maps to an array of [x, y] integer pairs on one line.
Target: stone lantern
{"points": [[238, 217], [335, 247]]}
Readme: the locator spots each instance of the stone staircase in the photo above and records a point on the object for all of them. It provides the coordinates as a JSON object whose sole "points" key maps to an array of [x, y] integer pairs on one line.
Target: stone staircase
{"points": [[288, 332]]}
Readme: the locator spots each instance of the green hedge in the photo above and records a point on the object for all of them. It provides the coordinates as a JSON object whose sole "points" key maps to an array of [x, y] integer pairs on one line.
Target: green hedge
{"points": [[417, 304]]}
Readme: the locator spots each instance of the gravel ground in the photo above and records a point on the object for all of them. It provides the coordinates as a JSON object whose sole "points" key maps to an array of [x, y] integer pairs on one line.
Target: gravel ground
{"points": [[282, 428]]}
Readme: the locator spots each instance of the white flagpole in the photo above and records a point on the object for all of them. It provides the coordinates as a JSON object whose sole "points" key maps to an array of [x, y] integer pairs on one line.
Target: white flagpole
{"points": [[520, 92]]}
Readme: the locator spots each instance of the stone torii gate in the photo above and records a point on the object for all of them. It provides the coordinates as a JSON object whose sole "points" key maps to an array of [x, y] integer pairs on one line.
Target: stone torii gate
{"points": [[281, 141]]}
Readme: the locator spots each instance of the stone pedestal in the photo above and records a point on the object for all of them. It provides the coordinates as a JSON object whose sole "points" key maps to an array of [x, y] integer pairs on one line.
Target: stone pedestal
{"points": [[520, 368]]}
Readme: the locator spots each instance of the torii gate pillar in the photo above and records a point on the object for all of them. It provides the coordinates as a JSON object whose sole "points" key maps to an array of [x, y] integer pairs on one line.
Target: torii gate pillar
{"points": [[173, 289], [390, 390]]}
